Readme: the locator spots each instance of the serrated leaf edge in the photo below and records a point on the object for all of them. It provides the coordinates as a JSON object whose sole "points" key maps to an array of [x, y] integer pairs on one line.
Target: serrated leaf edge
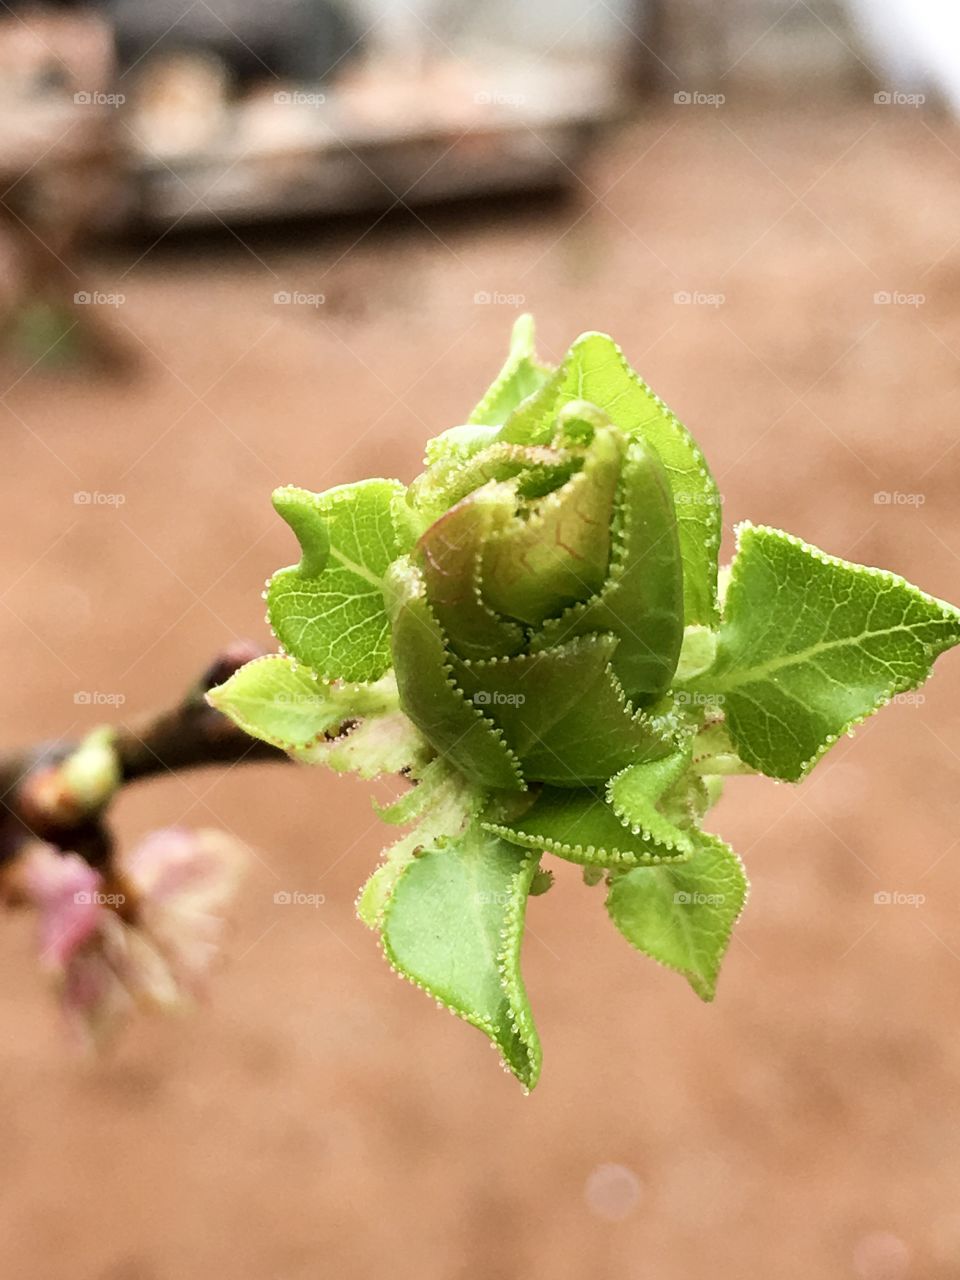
{"points": [[716, 523], [637, 828], [522, 1024], [727, 935], [948, 613], [584, 855]]}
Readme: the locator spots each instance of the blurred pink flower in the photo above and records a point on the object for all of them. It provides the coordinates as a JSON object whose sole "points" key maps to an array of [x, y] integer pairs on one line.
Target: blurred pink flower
{"points": [[65, 890], [148, 947]]}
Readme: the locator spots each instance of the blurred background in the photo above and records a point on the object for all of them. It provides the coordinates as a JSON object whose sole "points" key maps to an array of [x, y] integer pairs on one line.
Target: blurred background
{"points": [[244, 245]]}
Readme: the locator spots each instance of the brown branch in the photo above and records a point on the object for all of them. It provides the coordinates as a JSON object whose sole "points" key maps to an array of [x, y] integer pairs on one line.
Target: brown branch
{"points": [[37, 804]]}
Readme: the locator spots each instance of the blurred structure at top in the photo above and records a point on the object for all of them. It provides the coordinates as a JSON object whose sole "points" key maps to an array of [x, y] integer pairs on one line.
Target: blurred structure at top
{"points": [[163, 114], [235, 110], [917, 42]]}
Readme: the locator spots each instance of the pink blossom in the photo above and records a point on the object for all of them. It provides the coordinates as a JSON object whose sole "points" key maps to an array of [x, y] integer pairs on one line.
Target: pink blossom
{"points": [[177, 887], [66, 890]]}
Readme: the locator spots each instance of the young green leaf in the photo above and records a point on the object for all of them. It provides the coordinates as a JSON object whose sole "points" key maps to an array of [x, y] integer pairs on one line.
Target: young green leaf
{"points": [[454, 476], [328, 611], [636, 795], [595, 369], [428, 695], [583, 749], [528, 694], [682, 914], [811, 645], [521, 375], [535, 567], [562, 712], [442, 802], [581, 827], [453, 925], [389, 743], [642, 599], [424, 793], [449, 554], [277, 700]]}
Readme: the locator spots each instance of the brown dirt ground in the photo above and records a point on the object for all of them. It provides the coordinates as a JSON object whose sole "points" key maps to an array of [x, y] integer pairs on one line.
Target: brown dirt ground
{"points": [[324, 1118]]}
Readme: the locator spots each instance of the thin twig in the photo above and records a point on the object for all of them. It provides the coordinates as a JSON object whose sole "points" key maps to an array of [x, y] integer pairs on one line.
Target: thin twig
{"points": [[36, 804]]}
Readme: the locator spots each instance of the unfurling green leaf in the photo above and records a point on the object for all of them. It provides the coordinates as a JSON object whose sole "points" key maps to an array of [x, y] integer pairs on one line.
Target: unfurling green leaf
{"points": [[811, 645], [534, 568], [642, 599], [595, 370], [454, 924]]}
